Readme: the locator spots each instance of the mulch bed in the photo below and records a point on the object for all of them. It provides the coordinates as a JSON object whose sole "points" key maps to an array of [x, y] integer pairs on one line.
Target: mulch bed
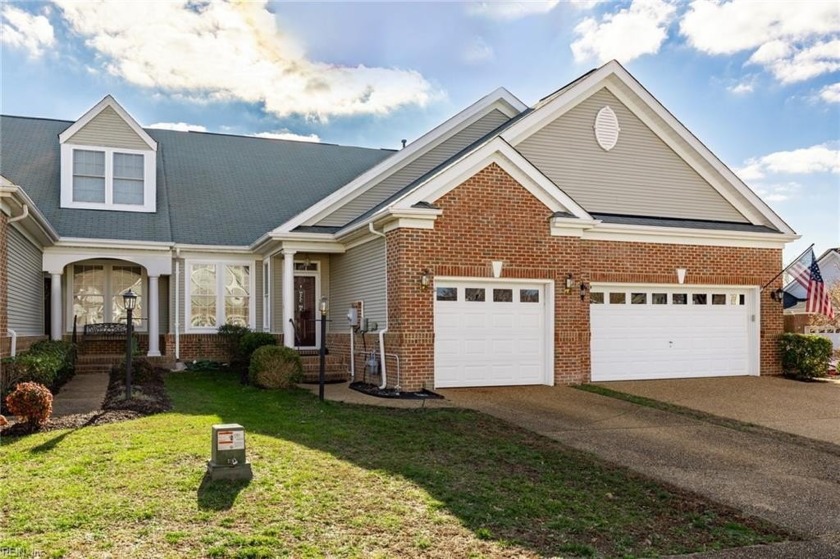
{"points": [[151, 399], [374, 390]]}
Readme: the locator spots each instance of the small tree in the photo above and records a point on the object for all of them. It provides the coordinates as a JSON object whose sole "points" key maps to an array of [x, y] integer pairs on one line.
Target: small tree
{"points": [[820, 320]]}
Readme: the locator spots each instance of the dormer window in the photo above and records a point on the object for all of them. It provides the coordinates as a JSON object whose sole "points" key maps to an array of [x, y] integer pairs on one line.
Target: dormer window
{"points": [[108, 162]]}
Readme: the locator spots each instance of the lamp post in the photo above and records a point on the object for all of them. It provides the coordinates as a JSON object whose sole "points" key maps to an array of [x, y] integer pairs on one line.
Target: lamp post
{"points": [[323, 351], [130, 301]]}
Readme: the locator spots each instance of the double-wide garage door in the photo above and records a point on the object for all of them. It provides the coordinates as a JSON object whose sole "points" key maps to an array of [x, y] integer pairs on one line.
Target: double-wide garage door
{"points": [[490, 333], [656, 332]]}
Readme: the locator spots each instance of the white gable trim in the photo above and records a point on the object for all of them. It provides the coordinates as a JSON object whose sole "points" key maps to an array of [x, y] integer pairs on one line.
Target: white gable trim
{"points": [[757, 212], [108, 101], [511, 161], [500, 99]]}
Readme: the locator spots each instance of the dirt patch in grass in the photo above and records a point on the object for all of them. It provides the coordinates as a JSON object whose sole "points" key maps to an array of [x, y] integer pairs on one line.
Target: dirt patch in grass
{"points": [[148, 398]]}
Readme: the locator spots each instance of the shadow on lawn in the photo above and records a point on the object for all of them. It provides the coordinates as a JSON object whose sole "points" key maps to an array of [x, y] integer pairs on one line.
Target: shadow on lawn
{"points": [[219, 494], [516, 487]]}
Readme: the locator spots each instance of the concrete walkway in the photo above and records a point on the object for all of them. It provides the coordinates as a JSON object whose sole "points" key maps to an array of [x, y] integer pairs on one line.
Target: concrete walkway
{"points": [[84, 393], [808, 409], [792, 485]]}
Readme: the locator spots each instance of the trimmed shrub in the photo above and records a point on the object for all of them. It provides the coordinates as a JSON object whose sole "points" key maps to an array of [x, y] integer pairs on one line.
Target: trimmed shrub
{"points": [[232, 336], [251, 341], [32, 402], [142, 372], [275, 366], [51, 363], [805, 356]]}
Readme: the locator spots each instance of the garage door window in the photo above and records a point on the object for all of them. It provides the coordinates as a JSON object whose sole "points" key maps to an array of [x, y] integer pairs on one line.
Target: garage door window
{"points": [[617, 298], [474, 294], [638, 299], [699, 299], [659, 299], [529, 295], [679, 299], [737, 300], [503, 295], [718, 299], [447, 294], [596, 298]]}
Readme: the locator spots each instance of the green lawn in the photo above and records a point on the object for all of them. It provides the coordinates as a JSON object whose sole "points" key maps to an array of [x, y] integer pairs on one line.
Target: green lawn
{"points": [[340, 481]]}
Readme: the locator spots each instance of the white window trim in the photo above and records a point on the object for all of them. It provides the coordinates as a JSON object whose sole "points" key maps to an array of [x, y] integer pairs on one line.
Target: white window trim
{"points": [[149, 179], [108, 270], [220, 304]]}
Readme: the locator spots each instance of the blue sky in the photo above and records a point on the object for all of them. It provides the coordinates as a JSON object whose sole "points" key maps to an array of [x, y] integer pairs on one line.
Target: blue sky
{"points": [[757, 82]]}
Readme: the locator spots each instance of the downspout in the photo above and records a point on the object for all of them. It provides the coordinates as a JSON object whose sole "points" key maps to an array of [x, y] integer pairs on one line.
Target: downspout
{"points": [[24, 215], [384, 330], [13, 344], [177, 305]]}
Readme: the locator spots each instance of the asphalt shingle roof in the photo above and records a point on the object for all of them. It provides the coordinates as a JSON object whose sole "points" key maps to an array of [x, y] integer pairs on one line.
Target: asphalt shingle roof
{"points": [[212, 189]]}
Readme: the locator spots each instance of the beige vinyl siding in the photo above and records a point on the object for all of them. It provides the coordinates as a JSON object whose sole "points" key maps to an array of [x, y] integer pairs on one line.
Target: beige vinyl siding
{"points": [[108, 129], [358, 275], [641, 175], [415, 169], [26, 285]]}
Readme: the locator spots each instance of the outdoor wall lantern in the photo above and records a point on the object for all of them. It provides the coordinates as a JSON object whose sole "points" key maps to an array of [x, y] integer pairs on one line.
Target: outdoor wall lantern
{"points": [[569, 283], [778, 295], [425, 280], [130, 302], [583, 289]]}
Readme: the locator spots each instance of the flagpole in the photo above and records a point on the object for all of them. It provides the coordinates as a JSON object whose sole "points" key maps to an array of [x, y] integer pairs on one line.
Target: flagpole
{"points": [[788, 266]]}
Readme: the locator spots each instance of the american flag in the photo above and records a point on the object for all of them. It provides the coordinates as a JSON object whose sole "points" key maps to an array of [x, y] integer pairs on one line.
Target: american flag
{"points": [[819, 300]]}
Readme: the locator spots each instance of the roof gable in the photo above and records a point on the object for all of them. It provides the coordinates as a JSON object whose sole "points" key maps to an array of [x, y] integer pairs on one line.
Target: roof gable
{"points": [[108, 124], [656, 117]]}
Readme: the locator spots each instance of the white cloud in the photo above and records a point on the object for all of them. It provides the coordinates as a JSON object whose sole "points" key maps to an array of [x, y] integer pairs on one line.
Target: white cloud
{"points": [[178, 126], [230, 50], [20, 29], [831, 93], [288, 135], [624, 35], [794, 41], [478, 51], [742, 88], [507, 11], [821, 158], [777, 192]]}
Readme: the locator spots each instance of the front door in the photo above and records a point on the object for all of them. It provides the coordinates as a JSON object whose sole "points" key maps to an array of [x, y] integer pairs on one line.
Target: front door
{"points": [[305, 311]]}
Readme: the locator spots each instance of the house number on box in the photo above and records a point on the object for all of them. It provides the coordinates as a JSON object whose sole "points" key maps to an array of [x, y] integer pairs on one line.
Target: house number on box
{"points": [[231, 440]]}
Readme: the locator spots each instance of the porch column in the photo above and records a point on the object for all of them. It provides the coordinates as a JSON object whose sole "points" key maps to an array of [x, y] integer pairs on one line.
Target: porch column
{"points": [[55, 306], [288, 297], [154, 320]]}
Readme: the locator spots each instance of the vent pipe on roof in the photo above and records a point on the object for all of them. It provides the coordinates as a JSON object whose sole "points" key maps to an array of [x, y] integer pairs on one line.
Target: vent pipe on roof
{"points": [[404, 142]]}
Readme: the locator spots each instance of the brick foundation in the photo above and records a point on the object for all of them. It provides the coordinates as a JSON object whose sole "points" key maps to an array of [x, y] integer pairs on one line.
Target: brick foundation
{"points": [[200, 346], [491, 217]]}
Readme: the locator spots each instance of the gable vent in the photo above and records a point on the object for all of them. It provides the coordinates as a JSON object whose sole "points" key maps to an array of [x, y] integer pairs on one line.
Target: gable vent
{"points": [[606, 128]]}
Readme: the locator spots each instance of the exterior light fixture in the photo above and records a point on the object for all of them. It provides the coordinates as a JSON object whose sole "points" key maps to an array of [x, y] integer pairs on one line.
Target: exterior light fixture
{"points": [[569, 283], [778, 295], [322, 353], [425, 280], [130, 302]]}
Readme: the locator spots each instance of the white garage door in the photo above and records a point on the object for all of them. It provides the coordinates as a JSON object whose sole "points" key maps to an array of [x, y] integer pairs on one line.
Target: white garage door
{"points": [[655, 332], [489, 333]]}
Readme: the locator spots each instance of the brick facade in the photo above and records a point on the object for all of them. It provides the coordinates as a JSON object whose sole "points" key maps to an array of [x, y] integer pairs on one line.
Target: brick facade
{"points": [[491, 217]]}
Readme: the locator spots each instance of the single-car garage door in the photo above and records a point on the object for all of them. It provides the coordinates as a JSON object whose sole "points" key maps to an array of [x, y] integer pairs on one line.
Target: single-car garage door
{"points": [[656, 332], [490, 333]]}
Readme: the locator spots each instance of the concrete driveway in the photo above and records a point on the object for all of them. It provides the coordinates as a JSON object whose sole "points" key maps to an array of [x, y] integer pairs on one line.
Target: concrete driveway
{"points": [[809, 409], [794, 485]]}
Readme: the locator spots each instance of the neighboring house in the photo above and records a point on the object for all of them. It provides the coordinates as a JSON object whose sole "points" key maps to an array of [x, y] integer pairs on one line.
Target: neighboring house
{"points": [[590, 237], [796, 318]]}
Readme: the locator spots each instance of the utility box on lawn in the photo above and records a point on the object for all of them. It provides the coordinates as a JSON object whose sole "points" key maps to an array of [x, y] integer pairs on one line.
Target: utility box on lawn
{"points": [[227, 453]]}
